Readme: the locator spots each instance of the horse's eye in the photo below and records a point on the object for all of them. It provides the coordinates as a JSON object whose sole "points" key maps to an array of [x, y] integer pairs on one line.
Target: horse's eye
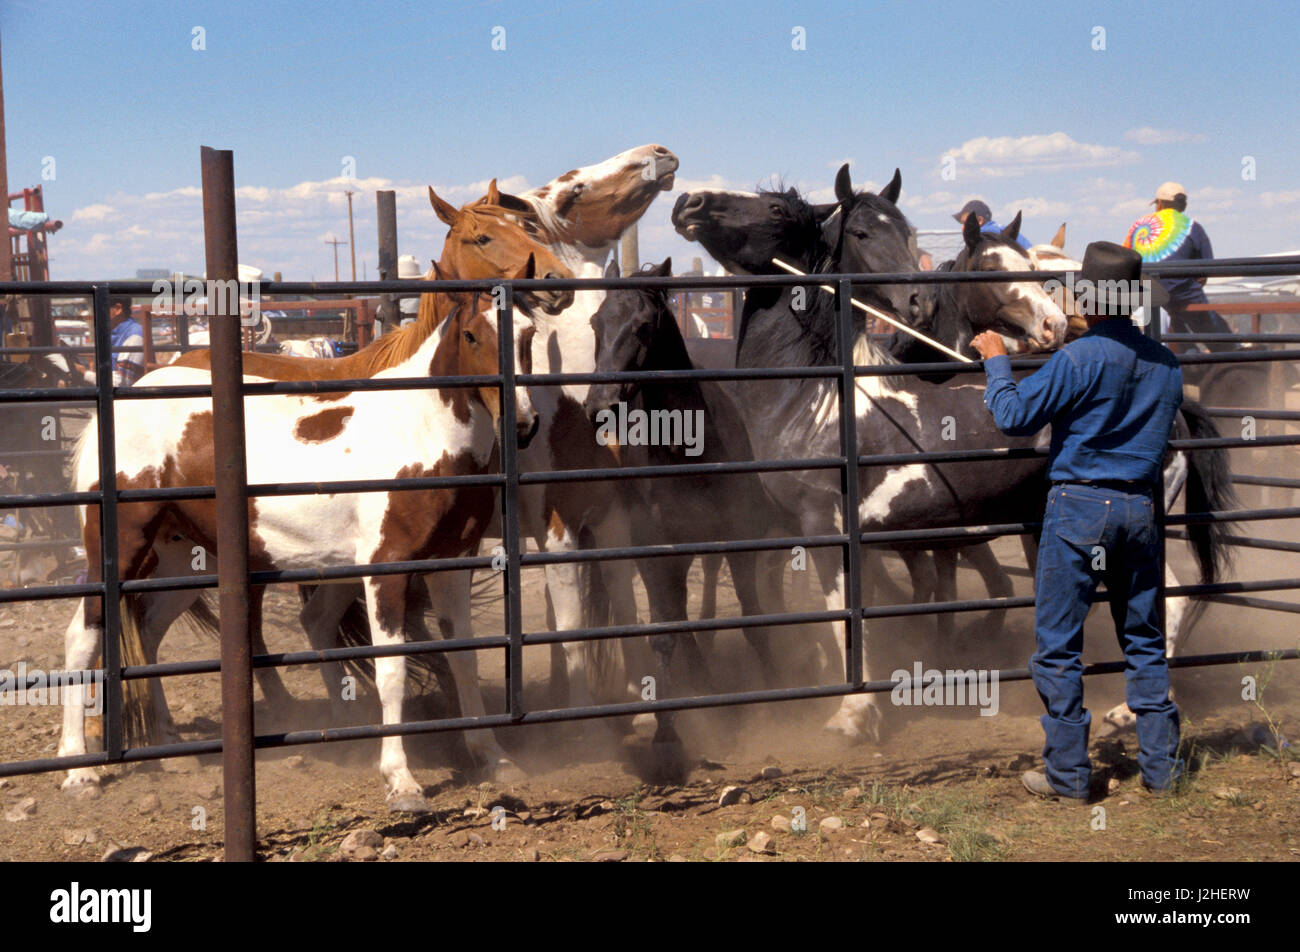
{"points": [[469, 336], [776, 211], [578, 189], [482, 240]]}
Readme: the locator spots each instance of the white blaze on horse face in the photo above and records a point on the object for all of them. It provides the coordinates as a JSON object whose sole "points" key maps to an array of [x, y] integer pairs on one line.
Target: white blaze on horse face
{"points": [[1039, 316]]}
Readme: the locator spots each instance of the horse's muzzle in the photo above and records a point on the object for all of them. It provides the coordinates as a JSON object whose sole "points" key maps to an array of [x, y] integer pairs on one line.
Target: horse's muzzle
{"points": [[526, 437]]}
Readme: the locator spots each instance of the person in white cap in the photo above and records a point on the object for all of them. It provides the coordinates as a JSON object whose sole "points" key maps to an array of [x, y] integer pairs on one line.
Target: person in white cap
{"points": [[408, 268], [1170, 235]]}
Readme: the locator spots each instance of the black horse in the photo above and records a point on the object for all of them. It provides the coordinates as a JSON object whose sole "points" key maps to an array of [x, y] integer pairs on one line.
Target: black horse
{"points": [[685, 421], [895, 415]]}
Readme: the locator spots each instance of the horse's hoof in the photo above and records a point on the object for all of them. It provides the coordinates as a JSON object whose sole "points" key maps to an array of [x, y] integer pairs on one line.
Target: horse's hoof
{"points": [[506, 771], [81, 787], [668, 762], [1121, 718], [407, 803]]}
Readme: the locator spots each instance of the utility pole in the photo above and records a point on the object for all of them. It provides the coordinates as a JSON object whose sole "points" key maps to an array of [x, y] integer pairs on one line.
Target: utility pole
{"points": [[336, 242], [352, 237]]}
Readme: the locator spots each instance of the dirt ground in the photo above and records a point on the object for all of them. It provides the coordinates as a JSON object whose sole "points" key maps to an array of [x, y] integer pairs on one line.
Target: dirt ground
{"points": [[943, 785]]}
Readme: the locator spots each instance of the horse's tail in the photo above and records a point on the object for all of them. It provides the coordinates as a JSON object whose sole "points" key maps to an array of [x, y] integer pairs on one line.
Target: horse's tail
{"points": [[140, 722], [1209, 489], [141, 719]]}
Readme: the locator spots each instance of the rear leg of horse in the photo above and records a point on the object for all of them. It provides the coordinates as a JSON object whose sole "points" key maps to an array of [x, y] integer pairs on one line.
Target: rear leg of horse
{"points": [[665, 581], [137, 525], [268, 679], [945, 590], [996, 581], [877, 587], [1120, 716], [321, 614], [80, 647]]}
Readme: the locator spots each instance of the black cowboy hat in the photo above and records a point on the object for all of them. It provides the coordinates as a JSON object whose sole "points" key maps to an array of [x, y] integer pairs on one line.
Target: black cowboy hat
{"points": [[1115, 273]]}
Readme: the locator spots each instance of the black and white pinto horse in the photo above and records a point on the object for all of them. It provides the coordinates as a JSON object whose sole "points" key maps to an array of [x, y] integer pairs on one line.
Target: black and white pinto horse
{"points": [[894, 415]]}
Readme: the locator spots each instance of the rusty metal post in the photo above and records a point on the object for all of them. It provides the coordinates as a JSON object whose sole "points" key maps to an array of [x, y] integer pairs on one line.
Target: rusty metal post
{"points": [[386, 209], [6, 247], [231, 480], [146, 328]]}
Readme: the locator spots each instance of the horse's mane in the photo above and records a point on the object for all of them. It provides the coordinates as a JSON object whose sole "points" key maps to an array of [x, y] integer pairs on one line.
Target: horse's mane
{"points": [[401, 345]]}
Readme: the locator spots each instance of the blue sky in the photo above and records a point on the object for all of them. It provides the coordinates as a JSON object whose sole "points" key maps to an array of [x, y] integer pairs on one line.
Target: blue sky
{"points": [[1031, 115]]}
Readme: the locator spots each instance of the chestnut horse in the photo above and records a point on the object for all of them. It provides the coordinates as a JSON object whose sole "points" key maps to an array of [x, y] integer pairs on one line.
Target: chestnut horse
{"points": [[359, 435]]}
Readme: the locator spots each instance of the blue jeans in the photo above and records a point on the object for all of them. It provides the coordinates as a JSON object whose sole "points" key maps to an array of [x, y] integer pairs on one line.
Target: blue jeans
{"points": [[1093, 534]]}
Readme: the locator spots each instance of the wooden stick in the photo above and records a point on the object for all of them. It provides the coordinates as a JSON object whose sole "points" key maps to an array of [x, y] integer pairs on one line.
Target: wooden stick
{"points": [[874, 312]]}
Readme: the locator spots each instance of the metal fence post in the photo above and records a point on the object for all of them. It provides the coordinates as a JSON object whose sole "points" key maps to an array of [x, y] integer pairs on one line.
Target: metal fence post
{"points": [[849, 489], [510, 502], [231, 482], [386, 213], [112, 633], [1152, 330]]}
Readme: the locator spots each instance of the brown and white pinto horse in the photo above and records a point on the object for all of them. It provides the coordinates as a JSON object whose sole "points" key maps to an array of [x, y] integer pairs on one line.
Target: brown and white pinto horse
{"points": [[359, 435], [482, 243]]}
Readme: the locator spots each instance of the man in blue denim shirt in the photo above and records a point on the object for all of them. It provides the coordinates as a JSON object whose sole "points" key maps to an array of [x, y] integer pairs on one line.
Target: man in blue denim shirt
{"points": [[1110, 397]]}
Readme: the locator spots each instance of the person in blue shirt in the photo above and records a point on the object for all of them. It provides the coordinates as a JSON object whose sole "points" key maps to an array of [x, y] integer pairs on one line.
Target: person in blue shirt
{"points": [[1110, 398], [985, 218], [128, 366]]}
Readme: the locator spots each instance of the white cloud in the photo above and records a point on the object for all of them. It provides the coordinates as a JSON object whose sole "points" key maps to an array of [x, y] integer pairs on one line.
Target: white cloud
{"points": [[1274, 199], [934, 203], [280, 228], [1006, 156], [1035, 207], [1146, 135], [96, 212]]}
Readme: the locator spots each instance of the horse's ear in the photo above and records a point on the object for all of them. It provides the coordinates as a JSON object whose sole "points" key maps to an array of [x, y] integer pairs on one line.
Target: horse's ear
{"points": [[970, 231], [611, 269], [663, 269], [493, 196], [513, 203], [445, 210], [1012, 231], [821, 213], [843, 184], [451, 316], [895, 187], [1058, 240]]}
